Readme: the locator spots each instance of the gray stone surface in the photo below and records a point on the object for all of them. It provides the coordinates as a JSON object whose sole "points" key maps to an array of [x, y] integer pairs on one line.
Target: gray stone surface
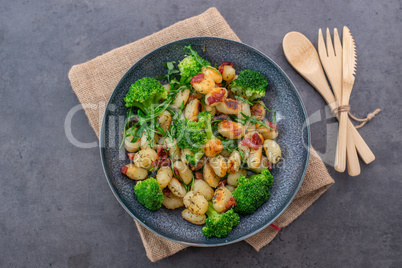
{"points": [[51, 216]]}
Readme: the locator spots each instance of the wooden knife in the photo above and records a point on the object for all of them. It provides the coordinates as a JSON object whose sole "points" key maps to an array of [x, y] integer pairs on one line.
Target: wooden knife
{"points": [[348, 79]]}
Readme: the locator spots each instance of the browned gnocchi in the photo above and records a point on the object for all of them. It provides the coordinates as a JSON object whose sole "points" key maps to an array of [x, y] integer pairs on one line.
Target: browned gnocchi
{"points": [[171, 201], [223, 199], [193, 218], [203, 188], [196, 203]]}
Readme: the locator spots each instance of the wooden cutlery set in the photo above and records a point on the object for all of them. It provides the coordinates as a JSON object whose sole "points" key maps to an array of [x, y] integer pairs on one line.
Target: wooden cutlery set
{"points": [[339, 63]]}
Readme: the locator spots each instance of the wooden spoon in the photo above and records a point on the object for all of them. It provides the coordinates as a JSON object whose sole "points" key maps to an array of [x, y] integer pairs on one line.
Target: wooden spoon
{"points": [[302, 55]]}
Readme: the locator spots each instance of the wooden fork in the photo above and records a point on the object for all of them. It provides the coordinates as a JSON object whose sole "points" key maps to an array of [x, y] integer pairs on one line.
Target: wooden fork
{"points": [[331, 59]]}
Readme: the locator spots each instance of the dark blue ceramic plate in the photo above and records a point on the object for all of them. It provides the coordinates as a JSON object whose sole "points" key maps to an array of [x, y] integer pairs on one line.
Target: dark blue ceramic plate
{"points": [[294, 139]]}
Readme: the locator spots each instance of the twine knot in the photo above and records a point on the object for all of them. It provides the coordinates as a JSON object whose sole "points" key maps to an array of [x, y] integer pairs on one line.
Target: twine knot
{"points": [[346, 108], [340, 109]]}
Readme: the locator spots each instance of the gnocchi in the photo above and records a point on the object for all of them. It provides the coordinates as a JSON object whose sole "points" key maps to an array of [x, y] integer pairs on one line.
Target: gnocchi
{"points": [[267, 133], [213, 73], [145, 157], [227, 71], [193, 218], [181, 98], [219, 165], [177, 188], [192, 110], [172, 202], [258, 110], [164, 176], [233, 178], [144, 142], [130, 146], [210, 109], [229, 106], [210, 177], [223, 199], [202, 83], [230, 129], [264, 164], [216, 96], [234, 162], [164, 120], [272, 151], [196, 203], [134, 172], [203, 188], [213, 147], [173, 149], [184, 171]]}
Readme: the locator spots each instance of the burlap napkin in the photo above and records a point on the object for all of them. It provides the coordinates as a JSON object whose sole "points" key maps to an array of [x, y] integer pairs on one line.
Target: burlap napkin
{"points": [[94, 81]]}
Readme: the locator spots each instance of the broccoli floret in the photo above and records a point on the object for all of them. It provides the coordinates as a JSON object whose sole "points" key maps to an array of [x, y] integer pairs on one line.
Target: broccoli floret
{"points": [[249, 84], [145, 93], [149, 194], [205, 125], [195, 158], [190, 135], [220, 225], [205, 118], [193, 135], [251, 193], [191, 65]]}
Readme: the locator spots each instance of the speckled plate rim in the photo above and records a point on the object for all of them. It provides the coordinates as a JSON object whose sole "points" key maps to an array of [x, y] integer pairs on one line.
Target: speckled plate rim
{"points": [[224, 242]]}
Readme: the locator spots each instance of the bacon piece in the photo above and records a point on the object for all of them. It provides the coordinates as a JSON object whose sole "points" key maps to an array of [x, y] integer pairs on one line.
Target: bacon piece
{"points": [[161, 152], [257, 139], [271, 125], [164, 162], [131, 156], [166, 192], [250, 143], [176, 172], [197, 79], [230, 204], [220, 68], [123, 170], [199, 176], [222, 183], [254, 142], [163, 159]]}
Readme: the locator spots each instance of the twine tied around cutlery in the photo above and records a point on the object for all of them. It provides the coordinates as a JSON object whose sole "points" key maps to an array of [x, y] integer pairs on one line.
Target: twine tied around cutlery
{"points": [[346, 108]]}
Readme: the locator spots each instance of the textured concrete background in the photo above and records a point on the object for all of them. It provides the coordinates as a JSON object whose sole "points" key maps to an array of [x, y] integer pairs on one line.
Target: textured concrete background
{"points": [[55, 205]]}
